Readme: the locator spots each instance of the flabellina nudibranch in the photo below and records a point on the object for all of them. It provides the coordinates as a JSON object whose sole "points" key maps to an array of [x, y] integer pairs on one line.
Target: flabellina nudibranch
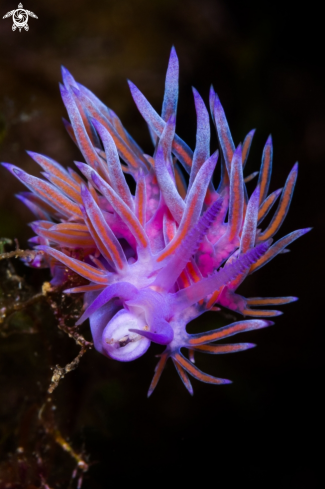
{"points": [[177, 248]]}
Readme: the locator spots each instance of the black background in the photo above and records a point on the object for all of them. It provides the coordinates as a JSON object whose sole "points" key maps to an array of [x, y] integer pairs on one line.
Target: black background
{"points": [[266, 61]]}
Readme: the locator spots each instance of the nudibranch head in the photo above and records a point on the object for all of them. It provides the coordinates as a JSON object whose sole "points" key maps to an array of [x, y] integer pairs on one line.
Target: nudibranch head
{"points": [[178, 247], [119, 342]]}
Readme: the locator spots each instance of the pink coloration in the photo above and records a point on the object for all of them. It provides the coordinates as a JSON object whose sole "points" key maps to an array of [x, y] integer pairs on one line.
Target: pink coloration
{"points": [[160, 258]]}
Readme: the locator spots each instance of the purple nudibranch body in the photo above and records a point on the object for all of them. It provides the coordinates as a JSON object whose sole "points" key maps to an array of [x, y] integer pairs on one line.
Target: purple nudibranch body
{"points": [[156, 260]]}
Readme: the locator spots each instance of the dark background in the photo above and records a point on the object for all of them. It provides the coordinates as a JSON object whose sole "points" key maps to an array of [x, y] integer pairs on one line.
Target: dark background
{"points": [[266, 61]]}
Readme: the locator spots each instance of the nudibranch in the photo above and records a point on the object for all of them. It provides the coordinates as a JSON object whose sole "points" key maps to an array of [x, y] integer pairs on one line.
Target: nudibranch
{"points": [[156, 260]]}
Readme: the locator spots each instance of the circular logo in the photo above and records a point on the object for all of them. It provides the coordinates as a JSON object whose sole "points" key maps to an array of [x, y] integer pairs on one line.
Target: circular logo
{"points": [[20, 18]]}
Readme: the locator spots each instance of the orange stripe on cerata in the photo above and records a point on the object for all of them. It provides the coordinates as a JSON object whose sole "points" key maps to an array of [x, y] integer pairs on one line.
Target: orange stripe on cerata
{"points": [[125, 211], [218, 348], [160, 367], [89, 274], [100, 244], [108, 241], [182, 374], [185, 363], [98, 263], [281, 210], [170, 231], [181, 151], [194, 276], [246, 240], [195, 371], [266, 205], [248, 237], [52, 195], [245, 148], [274, 250], [209, 198], [67, 179], [84, 118], [68, 227], [125, 169], [193, 273], [184, 279], [93, 193], [260, 313], [270, 301], [120, 130], [150, 160], [205, 338], [85, 288], [72, 240], [261, 260], [171, 248], [44, 224], [85, 146], [136, 226], [180, 183], [181, 233], [236, 207], [213, 298], [120, 190], [67, 188], [83, 269], [170, 226], [227, 145], [141, 192], [77, 178], [266, 167]]}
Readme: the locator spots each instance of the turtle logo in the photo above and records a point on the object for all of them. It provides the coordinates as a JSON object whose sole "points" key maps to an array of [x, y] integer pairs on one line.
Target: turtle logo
{"points": [[20, 18]]}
